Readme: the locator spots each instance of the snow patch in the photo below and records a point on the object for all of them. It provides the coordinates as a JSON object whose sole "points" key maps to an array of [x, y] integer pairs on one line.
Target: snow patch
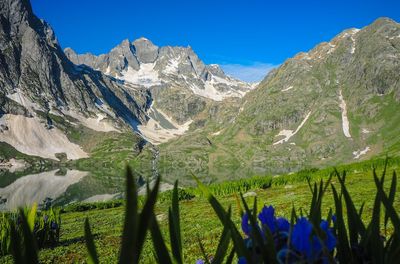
{"points": [[358, 153], [172, 66], [332, 48], [100, 198], [254, 85], [156, 133], [217, 133], [365, 131], [108, 70], [289, 133], [208, 88], [353, 45], [36, 187], [96, 124], [30, 136], [287, 89], [242, 108], [99, 124], [145, 76], [345, 120]]}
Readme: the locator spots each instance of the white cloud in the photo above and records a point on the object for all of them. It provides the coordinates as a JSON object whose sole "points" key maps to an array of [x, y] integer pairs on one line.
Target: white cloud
{"points": [[250, 73]]}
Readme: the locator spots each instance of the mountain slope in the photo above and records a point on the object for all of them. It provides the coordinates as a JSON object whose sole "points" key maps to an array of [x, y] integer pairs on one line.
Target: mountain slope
{"points": [[337, 103], [39, 83]]}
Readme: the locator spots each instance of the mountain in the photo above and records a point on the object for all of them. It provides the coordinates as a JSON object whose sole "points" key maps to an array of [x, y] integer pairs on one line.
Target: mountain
{"points": [[141, 63], [181, 85], [336, 103], [39, 85], [156, 92]]}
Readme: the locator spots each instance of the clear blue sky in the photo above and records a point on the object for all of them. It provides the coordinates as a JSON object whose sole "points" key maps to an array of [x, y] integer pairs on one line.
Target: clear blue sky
{"points": [[246, 37]]}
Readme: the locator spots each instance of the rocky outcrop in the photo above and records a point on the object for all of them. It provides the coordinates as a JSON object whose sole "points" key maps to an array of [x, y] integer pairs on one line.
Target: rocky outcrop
{"points": [[145, 50]]}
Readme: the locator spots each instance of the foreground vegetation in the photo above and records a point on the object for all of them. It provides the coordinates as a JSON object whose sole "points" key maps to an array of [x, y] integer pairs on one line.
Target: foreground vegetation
{"points": [[200, 223]]}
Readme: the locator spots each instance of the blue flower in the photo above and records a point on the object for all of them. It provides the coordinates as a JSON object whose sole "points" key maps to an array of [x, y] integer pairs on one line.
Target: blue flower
{"points": [[245, 224], [199, 261], [242, 260], [308, 245], [286, 255], [282, 224], [53, 225], [334, 218], [330, 241], [316, 248], [248, 243], [301, 236], [267, 218]]}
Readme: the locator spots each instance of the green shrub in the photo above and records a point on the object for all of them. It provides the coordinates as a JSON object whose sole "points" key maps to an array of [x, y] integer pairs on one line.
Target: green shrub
{"points": [[183, 195], [81, 207], [44, 225]]}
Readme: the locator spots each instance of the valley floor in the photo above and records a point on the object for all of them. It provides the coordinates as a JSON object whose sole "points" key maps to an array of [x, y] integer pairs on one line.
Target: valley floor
{"points": [[199, 220]]}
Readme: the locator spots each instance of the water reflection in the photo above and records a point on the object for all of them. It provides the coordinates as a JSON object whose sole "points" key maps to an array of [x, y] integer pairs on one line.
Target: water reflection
{"points": [[26, 190]]}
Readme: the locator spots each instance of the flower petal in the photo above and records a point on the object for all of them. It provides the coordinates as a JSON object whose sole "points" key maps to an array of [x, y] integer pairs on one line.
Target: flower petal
{"points": [[301, 236], [267, 218], [245, 224]]}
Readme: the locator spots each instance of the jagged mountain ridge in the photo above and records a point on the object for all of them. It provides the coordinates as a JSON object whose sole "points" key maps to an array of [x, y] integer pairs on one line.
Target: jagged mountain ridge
{"points": [[337, 103], [38, 81], [141, 63], [181, 85]]}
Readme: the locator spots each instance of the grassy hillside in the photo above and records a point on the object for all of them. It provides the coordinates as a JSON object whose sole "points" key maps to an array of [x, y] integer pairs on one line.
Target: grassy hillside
{"points": [[199, 219], [357, 68]]}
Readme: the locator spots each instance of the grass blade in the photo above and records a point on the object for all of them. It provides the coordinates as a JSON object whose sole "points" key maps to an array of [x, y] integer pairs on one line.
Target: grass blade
{"points": [[158, 242], [174, 226], [343, 250], [32, 216], [224, 241], [389, 207], [15, 245], [240, 248], [229, 259], [392, 192], [145, 215], [355, 224], [203, 251], [29, 242], [93, 258], [129, 236]]}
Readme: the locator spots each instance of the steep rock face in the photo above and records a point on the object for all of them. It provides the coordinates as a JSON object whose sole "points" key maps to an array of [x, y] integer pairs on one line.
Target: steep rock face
{"points": [[36, 78], [145, 50], [181, 85], [336, 103]]}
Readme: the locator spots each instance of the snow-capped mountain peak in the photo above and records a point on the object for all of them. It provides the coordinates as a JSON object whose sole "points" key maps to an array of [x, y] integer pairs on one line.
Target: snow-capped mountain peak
{"points": [[141, 63]]}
